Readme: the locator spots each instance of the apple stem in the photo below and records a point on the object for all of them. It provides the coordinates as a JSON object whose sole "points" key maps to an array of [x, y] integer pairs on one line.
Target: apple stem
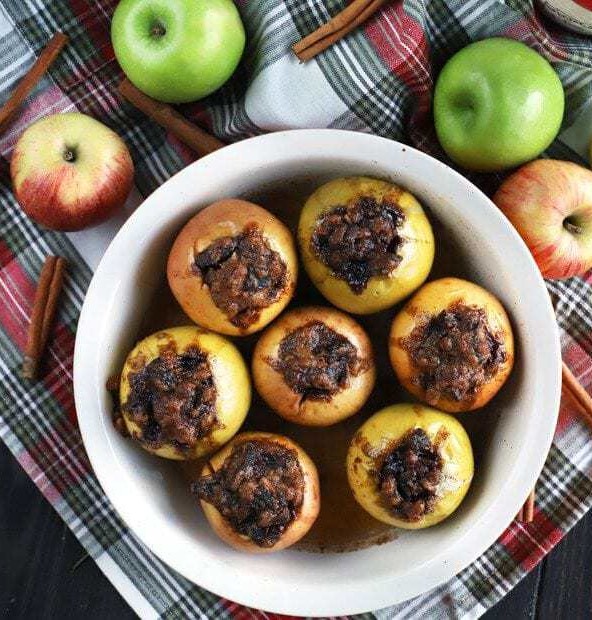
{"points": [[158, 30], [572, 228], [69, 155]]}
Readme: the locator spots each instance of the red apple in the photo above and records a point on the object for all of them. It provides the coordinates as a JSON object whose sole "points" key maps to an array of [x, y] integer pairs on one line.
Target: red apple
{"points": [[549, 202], [70, 171]]}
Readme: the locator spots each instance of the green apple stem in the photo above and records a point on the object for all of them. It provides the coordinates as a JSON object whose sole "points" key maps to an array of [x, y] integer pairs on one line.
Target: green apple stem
{"points": [[158, 30]]}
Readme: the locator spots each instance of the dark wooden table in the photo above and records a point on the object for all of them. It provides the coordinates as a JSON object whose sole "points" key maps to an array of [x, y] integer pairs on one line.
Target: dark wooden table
{"points": [[45, 573]]}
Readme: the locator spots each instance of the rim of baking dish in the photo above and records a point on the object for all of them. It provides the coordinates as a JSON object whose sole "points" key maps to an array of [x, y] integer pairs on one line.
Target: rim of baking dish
{"points": [[319, 599]]}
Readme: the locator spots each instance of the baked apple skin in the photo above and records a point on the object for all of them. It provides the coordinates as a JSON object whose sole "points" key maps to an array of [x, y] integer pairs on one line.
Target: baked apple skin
{"points": [[307, 515], [380, 433], [432, 299], [229, 373], [226, 218], [289, 404], [416, 251]]}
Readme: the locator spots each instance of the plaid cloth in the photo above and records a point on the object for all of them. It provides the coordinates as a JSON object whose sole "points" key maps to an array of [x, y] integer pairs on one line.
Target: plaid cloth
{"points": [[378, 80]]}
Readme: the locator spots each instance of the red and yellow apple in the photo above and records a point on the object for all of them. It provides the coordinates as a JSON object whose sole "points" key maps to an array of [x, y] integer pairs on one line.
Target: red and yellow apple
{"points": [[70, 171], [549, 202]]}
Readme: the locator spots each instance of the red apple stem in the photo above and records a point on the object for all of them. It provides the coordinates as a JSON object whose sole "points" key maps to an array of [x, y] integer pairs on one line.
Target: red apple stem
{"points": [[572, 227], [69, 155], [50, 52]]}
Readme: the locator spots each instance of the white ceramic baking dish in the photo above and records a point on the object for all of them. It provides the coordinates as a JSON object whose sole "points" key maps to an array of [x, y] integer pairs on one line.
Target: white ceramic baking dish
{"points": [[153, 499]]}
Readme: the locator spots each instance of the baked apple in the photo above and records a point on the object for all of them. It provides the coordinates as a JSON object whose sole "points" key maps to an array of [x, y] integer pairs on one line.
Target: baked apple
{"points": [[366, 244], [184, 392], [452, 345], [260, 493], [314, 366], [233, 267], [410, 466]]}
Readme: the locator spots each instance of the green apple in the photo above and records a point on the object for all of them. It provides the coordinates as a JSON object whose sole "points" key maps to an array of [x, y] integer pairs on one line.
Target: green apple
{"points": [[177, 50], [497, 104]]}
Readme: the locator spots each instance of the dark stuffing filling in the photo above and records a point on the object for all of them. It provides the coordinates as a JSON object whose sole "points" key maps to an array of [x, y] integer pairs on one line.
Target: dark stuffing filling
{"points": [[316, 361], [259, 490], [244, 275], [409, 476], [455, 353], [173, 399], [360, 241]]}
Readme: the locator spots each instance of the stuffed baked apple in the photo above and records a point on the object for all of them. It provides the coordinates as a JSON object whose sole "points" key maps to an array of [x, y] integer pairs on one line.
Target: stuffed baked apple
{"points": [[314, 366], [452, 345], [366, 244], [184, 392], [410, 466], [260, 493], [233, 267]]}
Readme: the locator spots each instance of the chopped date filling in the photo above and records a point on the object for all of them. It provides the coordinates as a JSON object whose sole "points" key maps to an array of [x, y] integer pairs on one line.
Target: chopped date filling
{"points": [[316, 361], [244, 275], [259, 490], [173, 399], [455, 353], [409, 476], [360, 241]]}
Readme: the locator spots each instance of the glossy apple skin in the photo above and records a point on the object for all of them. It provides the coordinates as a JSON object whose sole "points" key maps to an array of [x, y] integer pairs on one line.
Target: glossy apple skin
{"points": [[430, 300], [224, 218], [381, 292], [279, 395], [311, 501], [70, 195], [549, 202], [197, 48], [229, 372], [497, 104], [380, 433]]}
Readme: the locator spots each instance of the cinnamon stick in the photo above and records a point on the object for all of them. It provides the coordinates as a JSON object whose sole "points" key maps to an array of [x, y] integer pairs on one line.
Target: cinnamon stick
{"points": [[44, 309], [526, 512], [40, 66], [529, 508], [355, 14], [165, 115], [573, 388]]}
